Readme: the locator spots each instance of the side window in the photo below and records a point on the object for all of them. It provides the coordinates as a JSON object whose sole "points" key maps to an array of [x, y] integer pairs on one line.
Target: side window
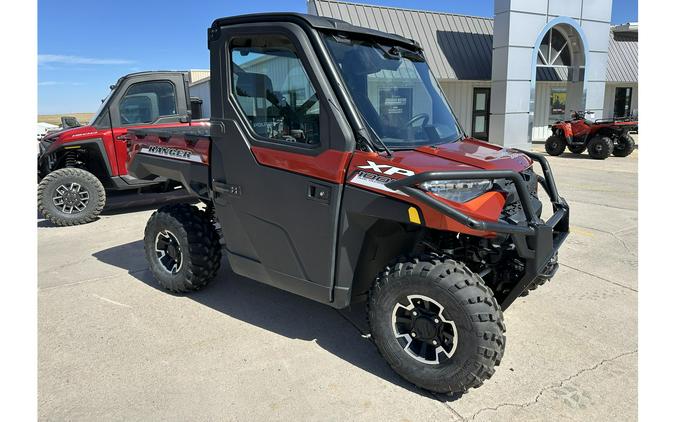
{"points": [[145, 102], [273, 90]]}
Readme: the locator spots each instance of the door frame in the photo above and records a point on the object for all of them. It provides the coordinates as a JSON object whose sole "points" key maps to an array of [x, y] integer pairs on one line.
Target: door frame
{"points": [[253, 163]]}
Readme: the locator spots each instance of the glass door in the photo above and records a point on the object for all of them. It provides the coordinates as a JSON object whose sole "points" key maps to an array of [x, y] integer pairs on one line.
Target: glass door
{"points": [[622, 102], [480, 116]]}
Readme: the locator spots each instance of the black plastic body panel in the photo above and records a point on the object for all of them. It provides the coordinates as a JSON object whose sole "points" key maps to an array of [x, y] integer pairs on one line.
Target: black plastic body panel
{"points": [[274, 232], [193, 176], [364, 239]]}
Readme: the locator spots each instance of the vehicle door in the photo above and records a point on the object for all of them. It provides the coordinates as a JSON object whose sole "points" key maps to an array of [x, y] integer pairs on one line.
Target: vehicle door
{"points": [[147, 100], [280, 149]]}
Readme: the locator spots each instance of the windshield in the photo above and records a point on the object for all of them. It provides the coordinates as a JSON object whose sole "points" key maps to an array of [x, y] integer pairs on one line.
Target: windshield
{"points": [[395, 92], [100, 108]]}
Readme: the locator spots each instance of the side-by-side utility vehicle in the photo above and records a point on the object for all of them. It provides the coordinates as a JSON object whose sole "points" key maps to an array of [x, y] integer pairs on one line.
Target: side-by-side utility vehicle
{"points": [[602, 137], [335, 169], [77, 164]]}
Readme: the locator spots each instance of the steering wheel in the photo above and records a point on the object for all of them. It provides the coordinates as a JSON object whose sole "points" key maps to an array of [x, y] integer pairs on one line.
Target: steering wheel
{"points": [[421, 116]]}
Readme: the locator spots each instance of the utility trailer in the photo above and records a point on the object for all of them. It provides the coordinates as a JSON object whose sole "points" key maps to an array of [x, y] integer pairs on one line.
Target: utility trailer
{"points": [[335, 169]]}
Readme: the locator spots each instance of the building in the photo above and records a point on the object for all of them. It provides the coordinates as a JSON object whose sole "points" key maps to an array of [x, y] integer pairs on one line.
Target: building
{"points": [[550, 57]]}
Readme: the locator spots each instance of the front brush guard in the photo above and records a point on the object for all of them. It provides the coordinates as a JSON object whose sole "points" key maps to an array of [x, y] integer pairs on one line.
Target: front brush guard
{"points": [[536, 241]]}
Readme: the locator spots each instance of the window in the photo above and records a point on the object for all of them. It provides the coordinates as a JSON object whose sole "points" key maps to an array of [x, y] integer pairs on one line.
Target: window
{"points": [[395, 92], [480, 116], [273, 90], [554, 50], [622, 102], [145, 102]]}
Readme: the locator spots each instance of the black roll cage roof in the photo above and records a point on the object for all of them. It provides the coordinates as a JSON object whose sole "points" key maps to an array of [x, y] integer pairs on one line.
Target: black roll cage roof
{"points": [[316, 22]]}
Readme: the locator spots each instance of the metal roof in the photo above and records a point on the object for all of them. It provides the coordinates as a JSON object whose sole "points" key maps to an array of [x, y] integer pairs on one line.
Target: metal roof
{"points": [[324, 22], [458, 46], [622, 60]]}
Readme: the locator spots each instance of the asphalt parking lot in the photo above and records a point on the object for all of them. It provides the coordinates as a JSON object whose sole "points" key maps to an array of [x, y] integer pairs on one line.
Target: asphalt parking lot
{"points": [[113, 346]]}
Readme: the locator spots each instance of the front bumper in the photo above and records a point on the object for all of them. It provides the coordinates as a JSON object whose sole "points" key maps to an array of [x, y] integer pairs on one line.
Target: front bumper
{"points": [[537, 241]]}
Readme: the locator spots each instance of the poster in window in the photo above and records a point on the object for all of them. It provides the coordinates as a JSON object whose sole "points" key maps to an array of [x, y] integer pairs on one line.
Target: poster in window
{"points": [[396, 106], [558, 101]]}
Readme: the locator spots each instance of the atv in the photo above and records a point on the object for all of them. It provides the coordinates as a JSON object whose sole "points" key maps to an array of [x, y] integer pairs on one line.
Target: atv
{"points": [[602, 137], [78, 164], [335, 169]]}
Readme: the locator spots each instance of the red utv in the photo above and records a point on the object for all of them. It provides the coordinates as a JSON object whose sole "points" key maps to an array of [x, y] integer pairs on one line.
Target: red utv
{"points": [[601, 137], [333, 168], [78, 164]]}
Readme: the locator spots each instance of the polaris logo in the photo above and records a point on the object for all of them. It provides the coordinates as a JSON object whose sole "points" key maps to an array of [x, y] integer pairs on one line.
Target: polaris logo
{"points": [[390, 170], [180, 154]]}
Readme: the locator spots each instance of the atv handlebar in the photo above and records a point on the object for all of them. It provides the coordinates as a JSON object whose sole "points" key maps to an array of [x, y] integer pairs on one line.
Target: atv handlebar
{"points": [[536, 241]]}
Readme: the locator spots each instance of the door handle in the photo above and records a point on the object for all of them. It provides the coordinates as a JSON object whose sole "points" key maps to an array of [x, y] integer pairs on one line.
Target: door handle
{"points": [[318, 192], [222, 187]]}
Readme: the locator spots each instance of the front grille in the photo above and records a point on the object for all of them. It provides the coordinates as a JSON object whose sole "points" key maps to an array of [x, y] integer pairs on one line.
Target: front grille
{"points": [[513, 209]]}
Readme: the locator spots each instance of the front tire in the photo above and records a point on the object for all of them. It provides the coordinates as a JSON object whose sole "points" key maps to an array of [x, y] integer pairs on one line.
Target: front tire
{"points": [[70, 196], [624, 146], [555, 145], [437, 324], [600, 147], [182, 247]]}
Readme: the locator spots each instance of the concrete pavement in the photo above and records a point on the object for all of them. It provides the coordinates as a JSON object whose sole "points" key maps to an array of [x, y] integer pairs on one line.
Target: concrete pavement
{"points": [[113, 346]]}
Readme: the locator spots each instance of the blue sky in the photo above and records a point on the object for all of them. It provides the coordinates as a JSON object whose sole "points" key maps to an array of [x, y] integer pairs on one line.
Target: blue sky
{"points": [[85, 46]]}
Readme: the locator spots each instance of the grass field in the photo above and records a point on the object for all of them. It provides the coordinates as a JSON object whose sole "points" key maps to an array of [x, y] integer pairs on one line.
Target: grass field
{"points": [[55, 119]]}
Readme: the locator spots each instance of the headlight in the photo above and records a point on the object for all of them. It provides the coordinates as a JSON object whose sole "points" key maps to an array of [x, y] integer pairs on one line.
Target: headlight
{"points": [[457, 190]]}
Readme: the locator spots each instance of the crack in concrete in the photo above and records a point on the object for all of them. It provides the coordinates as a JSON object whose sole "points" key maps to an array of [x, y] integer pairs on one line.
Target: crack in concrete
{"points": [[598, 277], [605, 205], [555, 385], [443, 401], [616, 236], [89, 280]]}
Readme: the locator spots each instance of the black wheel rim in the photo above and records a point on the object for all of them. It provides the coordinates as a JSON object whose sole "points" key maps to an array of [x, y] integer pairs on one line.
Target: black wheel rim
{"points": [[422, 331], [70, 198], [168, 251]]}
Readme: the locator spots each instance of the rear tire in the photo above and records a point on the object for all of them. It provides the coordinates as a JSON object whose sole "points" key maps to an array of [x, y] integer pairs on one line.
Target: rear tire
{"points": [[576, 149], [555, 145], [600, 147], [454, 308], [182, 247], [70, 196], [624, 146]]}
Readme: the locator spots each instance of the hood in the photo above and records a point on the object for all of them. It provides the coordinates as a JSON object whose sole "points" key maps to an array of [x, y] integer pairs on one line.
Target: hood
{"points": [[467, 154], [74, 132], [479, 155]]}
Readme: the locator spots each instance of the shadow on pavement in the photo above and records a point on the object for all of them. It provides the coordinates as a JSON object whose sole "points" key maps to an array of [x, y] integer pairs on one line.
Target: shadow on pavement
{"points": [[275, 310]]}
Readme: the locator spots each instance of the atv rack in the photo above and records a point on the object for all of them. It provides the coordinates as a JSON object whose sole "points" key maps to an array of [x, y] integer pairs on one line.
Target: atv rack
{"points": [[536, 241]]}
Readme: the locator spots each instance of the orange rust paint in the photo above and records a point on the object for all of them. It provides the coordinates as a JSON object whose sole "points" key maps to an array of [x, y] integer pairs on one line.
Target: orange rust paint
{"points": [[486, 207], [330, 165]]}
